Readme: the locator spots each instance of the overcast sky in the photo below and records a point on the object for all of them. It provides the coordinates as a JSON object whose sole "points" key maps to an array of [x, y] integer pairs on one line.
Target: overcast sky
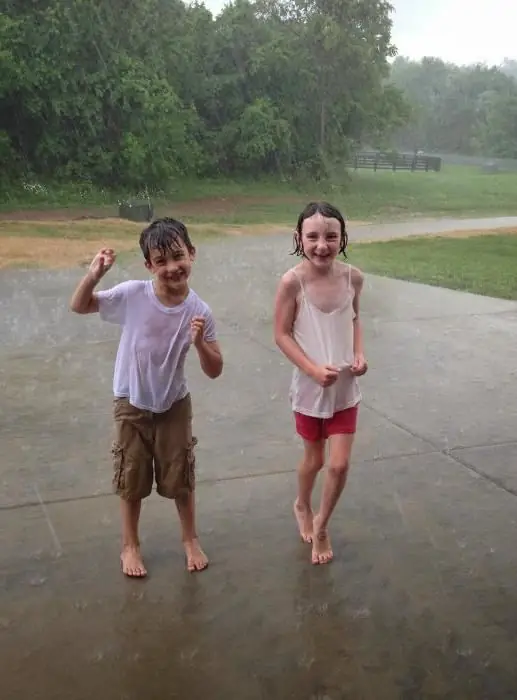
{"points": [[450, 29]]}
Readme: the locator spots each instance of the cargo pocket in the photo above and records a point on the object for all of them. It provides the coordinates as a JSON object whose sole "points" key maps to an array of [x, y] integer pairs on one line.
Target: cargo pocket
{"points": [[117, 454], [190, 465]]}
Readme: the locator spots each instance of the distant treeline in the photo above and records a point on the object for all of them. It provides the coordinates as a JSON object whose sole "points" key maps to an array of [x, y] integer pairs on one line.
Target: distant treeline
{"points": [[469, 110]]}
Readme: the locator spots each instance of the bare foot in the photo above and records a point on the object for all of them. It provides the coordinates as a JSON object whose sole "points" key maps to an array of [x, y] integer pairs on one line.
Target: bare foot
{"points": [[132, 564], [303, 517], [196, 558], [321, 549]]}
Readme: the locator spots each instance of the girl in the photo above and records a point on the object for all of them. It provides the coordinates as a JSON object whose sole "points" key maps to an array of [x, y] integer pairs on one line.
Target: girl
{"points": [[317, 327]]}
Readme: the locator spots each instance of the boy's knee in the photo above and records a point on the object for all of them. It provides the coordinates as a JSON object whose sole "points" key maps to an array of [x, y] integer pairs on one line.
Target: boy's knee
{"points": [[340, 468]]}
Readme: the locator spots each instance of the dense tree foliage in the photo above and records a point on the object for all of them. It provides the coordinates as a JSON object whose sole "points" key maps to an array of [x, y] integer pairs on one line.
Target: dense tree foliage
{"points": [[136, 93], [469, 109]]}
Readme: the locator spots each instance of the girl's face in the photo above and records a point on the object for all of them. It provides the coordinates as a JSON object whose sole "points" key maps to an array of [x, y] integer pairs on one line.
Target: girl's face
{"points": [[321, 240]]}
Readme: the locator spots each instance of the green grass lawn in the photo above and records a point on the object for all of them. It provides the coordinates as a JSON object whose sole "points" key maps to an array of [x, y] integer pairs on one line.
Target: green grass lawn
{"points": [[365, 195], [485, 264]]}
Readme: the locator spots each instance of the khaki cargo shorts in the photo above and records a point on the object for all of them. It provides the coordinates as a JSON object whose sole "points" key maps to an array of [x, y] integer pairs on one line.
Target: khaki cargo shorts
{"points": [[150, 446]]}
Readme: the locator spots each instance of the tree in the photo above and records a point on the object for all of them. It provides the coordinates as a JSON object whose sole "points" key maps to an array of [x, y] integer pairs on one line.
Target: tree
{"points": [[454, 109], [267, 86]]}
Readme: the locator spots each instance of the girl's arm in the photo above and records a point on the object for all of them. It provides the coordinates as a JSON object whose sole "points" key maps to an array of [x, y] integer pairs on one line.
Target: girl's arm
{"points": [[285, 313], [360, 365]]}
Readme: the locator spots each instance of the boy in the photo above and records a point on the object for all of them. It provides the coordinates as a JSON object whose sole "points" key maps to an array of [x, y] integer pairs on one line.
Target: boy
{"points": [[160, 319]]}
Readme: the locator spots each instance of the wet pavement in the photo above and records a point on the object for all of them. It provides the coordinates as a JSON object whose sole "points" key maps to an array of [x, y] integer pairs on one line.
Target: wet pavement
{"points": [[421, 600]]}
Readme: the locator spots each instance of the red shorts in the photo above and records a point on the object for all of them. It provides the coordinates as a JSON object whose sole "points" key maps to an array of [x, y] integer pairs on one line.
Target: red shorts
{"points": [[314, 429]]}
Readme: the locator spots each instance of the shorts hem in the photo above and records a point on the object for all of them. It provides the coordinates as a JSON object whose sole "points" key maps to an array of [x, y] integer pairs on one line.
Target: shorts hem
{"points": [[129, 497], [307, 438], [172, 497], [310, 438], [343, 431]]}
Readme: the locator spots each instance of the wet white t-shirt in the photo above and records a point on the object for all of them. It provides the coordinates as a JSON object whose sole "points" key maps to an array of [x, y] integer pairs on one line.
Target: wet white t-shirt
{"points": [[150, 364]]}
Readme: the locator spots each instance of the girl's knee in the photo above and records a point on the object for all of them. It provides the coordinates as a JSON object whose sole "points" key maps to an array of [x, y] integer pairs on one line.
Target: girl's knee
{"points": [[313, 460], [314, 457], [313, 464], [340, 468]]}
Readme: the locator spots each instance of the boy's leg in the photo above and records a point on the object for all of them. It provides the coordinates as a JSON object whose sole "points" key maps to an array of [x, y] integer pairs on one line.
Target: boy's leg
{"points": [[175, 474], [196, 558], [340, 443], [132, 477], [131, 558], [313, 459]]}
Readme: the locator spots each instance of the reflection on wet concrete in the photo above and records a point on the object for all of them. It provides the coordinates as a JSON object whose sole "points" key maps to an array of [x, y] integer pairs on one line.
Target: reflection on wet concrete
{"points": [[420, 601]]}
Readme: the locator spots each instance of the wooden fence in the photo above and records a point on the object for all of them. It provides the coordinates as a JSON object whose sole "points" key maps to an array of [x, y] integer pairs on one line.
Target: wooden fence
{"points": [[395, 161]]}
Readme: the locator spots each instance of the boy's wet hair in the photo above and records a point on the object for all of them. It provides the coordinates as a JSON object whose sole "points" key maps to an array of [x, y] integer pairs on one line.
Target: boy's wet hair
{"points": [[164, 235], [329, 212]]}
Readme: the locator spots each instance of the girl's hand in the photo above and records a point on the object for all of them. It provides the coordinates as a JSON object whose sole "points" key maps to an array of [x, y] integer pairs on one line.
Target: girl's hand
{"points": [[360, 366], [102, 263], [197, 328], [325, 375]]}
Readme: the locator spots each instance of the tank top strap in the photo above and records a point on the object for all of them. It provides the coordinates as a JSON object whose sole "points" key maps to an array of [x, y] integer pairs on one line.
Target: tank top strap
{"points": [[298, 277]]}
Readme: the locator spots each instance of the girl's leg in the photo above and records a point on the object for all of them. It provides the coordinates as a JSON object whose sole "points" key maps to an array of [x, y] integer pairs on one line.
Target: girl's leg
{"points": [[335, 480], [132, 564], [196, 558], [311, 464]]}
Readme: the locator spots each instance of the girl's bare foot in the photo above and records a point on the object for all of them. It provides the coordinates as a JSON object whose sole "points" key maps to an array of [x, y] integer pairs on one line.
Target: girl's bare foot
{"points": [[303, 517], [196, 558], [132, 564], [321, 549]]}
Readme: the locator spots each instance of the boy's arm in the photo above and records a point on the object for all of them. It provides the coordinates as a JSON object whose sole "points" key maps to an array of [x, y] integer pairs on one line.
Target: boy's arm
{"points": [[83, 300], [210, 358], [360, 365], [209, 352]]}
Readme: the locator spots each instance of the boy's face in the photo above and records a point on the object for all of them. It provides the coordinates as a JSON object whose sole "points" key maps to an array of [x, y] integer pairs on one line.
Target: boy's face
{"points": [[321, 240], [172, 269]]}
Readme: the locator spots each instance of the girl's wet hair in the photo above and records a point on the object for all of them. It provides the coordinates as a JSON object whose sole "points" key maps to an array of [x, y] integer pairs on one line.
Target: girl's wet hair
{"points": [[164, 235], [329, 212]]}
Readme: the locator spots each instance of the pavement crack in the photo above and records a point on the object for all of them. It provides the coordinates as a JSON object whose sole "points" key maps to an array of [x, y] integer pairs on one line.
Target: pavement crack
{"points": [[448, 451]]}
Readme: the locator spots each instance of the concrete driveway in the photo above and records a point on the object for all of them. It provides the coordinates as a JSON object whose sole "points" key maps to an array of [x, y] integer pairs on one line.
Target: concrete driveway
{"points": [[421, 600]]}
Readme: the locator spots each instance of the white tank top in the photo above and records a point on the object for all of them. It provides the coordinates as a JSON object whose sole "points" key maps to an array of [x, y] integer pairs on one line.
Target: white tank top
{"points": [[327, 338]]}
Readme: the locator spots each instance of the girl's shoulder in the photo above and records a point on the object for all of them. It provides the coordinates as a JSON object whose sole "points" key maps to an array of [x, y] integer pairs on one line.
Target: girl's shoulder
{"points": [[293, 278], [354, 274]]}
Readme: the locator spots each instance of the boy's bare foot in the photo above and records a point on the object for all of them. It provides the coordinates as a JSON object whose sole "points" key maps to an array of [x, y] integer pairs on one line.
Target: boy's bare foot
{"points": [[321, 549], [196, 558], [303, 517], [132, 564]]}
